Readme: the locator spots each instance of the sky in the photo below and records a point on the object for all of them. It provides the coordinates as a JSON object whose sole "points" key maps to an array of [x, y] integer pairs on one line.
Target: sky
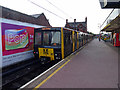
{"points": [[63, 9]]}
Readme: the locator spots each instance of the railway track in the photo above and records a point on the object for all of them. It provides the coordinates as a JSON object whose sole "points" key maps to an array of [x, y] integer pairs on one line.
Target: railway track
{"points": [[24, 74]]}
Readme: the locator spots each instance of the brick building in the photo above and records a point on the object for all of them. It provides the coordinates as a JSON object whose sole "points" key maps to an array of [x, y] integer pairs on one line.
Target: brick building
{"points": [[79, 26]]}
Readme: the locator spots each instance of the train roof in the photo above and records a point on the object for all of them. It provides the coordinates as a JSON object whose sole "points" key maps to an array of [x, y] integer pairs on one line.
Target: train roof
{"points": [[59, 28], [55, 28]]}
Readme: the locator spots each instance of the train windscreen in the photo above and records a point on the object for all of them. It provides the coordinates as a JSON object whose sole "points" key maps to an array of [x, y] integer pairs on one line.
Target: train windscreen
{"points": [[48, 38], [51, 38]]}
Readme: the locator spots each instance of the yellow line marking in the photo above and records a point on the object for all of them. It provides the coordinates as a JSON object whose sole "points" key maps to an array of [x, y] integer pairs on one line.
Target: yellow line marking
{"points": [[50, 76], [77, 53]]}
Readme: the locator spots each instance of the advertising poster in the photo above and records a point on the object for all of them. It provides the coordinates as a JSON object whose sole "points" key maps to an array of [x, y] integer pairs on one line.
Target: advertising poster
{"points": [[17, 42], [0, 48], [15, 39]]}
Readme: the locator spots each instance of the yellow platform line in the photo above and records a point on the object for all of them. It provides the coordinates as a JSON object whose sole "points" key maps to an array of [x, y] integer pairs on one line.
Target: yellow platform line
{"points": [[50, 76]]}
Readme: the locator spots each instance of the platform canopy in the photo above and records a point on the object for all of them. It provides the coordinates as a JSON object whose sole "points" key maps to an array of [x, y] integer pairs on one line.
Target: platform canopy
{"points": [[114, 25], [110, 3]]}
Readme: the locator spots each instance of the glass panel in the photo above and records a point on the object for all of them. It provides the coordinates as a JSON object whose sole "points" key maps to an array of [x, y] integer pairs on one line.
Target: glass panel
{"points": [[38, 38], [55, 40], [51, 38], [111, 17], [46, 38]]}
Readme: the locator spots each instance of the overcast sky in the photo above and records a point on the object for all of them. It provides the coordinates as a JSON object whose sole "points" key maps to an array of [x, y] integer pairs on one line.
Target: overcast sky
{"points": [[66, 9]]}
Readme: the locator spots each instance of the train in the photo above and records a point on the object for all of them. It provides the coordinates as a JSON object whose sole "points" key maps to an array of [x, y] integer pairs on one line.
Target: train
{"points": [[56, 43]]}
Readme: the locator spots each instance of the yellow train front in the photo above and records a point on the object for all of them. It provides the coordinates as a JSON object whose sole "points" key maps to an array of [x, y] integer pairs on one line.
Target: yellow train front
{"points": [[55, 43]]}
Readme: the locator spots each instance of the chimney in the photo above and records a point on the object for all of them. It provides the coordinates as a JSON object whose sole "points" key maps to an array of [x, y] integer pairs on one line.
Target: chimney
{"points": [[74, 20], [66, 21], [75, 24], [86, 19], [86, 23]]}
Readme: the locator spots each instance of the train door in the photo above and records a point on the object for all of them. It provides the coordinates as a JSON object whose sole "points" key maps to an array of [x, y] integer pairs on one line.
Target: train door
{"points": [[75, 40], [67, 42], [71, 39], [85, 39], [81, 39]]}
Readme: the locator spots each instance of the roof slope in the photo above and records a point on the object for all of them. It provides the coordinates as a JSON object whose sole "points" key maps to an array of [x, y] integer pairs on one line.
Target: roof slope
{"points": [[18, 16]]}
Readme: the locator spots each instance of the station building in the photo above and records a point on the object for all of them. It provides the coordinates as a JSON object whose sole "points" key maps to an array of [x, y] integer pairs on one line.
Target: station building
{"points": [[16, 35], [79, 26]]}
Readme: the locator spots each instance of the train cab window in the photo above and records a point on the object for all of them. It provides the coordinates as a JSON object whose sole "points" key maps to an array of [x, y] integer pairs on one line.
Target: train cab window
{"points": [[51, 38], [55, 41], [46, 38], [38, 38]]}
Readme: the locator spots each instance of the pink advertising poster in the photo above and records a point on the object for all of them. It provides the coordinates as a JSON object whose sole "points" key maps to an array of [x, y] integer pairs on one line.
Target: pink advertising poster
{"points": [[16, 38]]}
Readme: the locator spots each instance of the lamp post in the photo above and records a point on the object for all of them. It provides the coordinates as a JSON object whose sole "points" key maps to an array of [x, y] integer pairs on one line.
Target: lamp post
{"points": [[99, 26]]}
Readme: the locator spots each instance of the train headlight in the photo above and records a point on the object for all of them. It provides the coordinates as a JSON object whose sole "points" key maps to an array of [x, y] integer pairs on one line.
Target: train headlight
{"points": [[55, 54]]}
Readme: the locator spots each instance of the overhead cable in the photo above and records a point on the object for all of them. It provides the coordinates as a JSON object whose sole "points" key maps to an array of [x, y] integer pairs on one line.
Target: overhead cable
{"points": [[107, 17], [46, 9], [59, 9]]}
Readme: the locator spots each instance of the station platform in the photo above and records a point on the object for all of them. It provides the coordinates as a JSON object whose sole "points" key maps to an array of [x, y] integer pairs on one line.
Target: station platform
{"points": [[94, 66]]}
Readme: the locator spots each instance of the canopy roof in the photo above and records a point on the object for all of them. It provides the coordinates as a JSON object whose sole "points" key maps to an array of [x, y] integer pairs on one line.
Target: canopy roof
{"points": [[114, 25]]}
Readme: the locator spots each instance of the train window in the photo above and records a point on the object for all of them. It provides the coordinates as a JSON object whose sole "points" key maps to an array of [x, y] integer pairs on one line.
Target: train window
{"points": [[51, 38], [46, 38], [55, 39], [67, 37], [75, 36], [38, 38], [79, 36]]}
